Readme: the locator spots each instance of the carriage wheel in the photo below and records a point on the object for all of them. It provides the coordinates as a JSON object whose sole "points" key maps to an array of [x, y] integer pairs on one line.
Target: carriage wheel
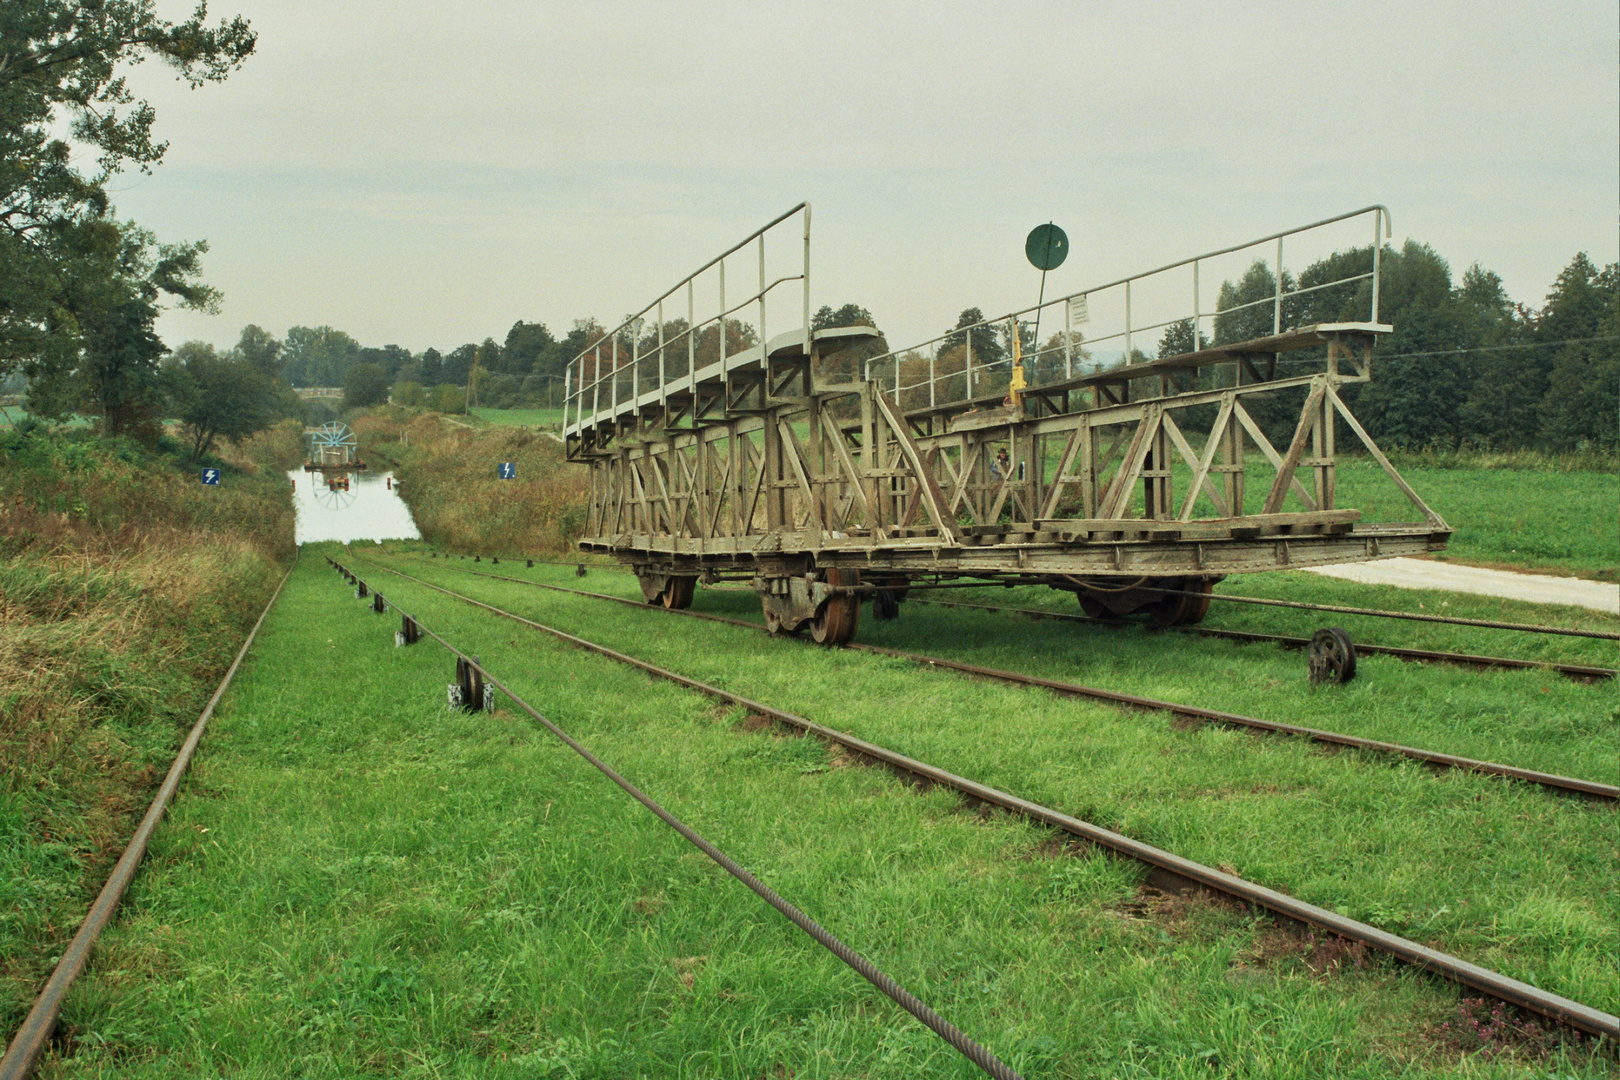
{"points": [[1171, 610], [1333, 656], [835, 623], [1198, 606], [1094, 608], [677, 593]]}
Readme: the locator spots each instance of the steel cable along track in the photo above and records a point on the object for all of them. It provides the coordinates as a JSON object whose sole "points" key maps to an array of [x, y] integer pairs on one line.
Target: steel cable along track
{"points": [[1166, 864], [1574, 671], [37, 1027], [1591, 789], [947, 1031]]}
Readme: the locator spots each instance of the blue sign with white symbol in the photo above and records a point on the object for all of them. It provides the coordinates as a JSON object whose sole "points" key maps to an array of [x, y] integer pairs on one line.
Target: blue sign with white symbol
{"points": [[508, 470], [210, 476]]}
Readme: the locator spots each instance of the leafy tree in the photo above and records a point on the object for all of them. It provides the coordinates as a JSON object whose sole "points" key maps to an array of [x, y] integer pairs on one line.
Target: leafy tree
{"points": [[458, 364], [217, 396], [261, 349], [391, 358], [432, 366], [1583, 386], [1053, 363], [845, 364], [59, 280], [1505, 385], [527, 345], [1415, 401], [445, 398], [409, 394], [109, 362], [318, 356], [986, 340], [1178, 339], [367, 384], [1243, 313]]}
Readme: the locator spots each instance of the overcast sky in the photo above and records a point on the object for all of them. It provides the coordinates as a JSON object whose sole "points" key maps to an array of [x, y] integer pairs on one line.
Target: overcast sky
{"points": [[426, 174]]}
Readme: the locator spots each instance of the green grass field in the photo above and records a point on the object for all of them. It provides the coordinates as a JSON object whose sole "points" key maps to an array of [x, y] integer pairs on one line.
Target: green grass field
{"points": [[541, 418], [359, 882]]}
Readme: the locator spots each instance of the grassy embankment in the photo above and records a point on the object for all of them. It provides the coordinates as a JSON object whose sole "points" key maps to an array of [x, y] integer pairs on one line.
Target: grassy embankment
{"points": [[393, 889], [125, 589], [362, 883], [447, 476]]}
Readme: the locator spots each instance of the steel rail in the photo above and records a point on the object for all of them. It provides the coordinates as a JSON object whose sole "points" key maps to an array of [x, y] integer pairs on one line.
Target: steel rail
{"points": [[1574, 671], [947, 1031], [1529, 628], [1534, 628], [31, 1038], [1504, 988], [1590, 789]]}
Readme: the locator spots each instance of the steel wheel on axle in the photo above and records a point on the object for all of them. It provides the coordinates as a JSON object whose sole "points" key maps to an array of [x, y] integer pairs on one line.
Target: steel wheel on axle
{"points": [[835, 623], [677, 594], [1332, 656]]}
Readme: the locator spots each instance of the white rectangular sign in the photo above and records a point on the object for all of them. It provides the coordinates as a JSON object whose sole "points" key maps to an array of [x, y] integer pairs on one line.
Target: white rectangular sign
{"points": [[1077, 310]]}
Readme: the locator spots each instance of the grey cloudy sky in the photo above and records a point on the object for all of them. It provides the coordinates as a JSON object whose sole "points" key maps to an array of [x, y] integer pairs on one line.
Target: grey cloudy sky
{"points": [[427, 174]]}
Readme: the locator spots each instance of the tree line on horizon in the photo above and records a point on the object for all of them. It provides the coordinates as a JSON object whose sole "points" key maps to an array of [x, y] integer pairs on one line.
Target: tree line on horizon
{"points": [[1465, 366], [80, 292]]}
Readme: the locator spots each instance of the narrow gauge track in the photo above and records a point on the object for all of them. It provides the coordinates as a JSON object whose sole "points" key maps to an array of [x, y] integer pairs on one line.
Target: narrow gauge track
{"points": [[1569, 785], [1165, 866], [35, 1032], [1580, 672], [950, 1033]]}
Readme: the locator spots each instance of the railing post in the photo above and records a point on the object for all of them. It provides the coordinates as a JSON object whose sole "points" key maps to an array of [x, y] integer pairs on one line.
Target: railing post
{"points": [[805, 269], [1378, 251], [764, 361], [967, 336], [691, 329], [1276, 310], [1195, 306], [1127, 321], [722, 338], [1068, 342], [933, 354], [662, 394]]}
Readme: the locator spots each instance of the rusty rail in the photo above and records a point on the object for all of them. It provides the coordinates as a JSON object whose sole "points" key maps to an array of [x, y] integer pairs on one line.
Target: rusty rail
{"points": [[1573, 671], [1590, 789], [954, 1036], [31, 1038], [1551, 1006]]}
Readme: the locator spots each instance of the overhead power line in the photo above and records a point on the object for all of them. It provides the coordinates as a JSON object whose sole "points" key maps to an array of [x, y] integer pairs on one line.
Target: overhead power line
{"points": [[1498, 348]]}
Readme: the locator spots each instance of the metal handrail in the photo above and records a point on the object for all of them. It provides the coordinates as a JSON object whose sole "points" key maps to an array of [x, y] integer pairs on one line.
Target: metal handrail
{"points": [[1381, 218], [577, 391]]}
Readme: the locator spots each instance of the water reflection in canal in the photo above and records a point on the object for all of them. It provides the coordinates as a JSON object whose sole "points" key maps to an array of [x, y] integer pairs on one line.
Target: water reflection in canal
{"points": [[350, 506]]}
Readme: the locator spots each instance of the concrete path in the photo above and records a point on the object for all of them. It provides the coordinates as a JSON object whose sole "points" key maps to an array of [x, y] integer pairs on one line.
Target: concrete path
{"points": [[1536, 588]]}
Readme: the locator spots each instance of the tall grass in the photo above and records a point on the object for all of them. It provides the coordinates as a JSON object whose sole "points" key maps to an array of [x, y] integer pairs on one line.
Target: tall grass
{"points": [[449, 478], [125, 588]]}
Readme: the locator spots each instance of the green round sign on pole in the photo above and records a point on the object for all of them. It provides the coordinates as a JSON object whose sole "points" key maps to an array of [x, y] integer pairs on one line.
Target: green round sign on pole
{"points": [[1047, 247]]}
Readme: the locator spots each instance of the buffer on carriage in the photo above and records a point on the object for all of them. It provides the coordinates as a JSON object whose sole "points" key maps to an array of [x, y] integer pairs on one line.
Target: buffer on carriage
{"points": [[822, 470]]}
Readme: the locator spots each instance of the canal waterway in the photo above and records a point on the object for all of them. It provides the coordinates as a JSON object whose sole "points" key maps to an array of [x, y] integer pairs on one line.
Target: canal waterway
{"points": [[370, 508]]}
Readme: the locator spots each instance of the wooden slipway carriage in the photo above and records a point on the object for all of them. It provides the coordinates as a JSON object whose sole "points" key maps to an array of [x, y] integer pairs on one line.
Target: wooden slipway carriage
{"points": [[823, 475]]}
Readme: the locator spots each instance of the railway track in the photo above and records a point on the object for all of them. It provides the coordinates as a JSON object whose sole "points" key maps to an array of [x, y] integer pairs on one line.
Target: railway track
{"points": [[1589, 789], [1580, 672], [1165, 866], [35, 1033], [471, 667]]}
